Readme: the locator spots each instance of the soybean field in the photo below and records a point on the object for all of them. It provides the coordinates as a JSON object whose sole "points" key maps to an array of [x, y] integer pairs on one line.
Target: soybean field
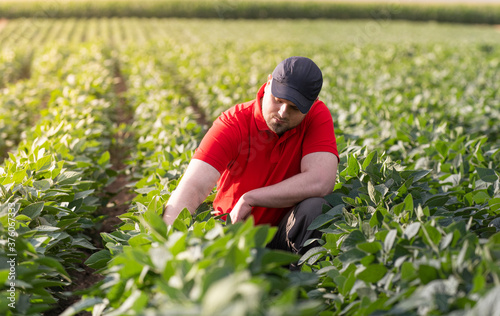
{"points": [[99, 118]]}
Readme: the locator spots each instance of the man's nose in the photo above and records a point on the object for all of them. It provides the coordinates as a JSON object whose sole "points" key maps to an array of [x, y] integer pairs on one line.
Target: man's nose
{"points": [[282, 111]]}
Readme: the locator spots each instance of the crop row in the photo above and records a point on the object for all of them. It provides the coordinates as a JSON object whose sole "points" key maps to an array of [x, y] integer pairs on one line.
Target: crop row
{"points": [[37, 32], [49, 184], [25, 35]]}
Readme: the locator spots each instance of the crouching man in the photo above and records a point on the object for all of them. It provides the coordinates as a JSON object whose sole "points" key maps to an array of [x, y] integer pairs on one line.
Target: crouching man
{"points": [[273, 158]]}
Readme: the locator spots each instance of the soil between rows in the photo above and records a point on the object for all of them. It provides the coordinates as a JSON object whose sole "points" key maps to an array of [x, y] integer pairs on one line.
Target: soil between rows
{"points": [[117, 195]]}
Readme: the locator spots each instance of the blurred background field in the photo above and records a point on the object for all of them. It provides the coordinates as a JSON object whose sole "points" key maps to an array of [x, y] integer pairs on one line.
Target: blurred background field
{"points": [[122, 30], [482, 11], [413, 88]]}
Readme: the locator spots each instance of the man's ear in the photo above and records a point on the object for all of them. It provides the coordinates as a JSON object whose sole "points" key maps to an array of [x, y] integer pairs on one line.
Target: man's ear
{"points": [[268, 83]]}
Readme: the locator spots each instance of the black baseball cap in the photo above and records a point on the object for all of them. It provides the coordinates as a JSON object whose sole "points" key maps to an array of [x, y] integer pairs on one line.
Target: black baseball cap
{"points": [[299, 80]]}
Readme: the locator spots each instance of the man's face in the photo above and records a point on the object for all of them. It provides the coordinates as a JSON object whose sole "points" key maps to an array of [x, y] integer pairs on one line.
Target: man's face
{"points": [[280, 115]]}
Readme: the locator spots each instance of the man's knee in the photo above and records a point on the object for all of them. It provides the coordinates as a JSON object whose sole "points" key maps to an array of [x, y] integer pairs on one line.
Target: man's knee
{"points": [[292, 231], [311, 207], [303, 215]]}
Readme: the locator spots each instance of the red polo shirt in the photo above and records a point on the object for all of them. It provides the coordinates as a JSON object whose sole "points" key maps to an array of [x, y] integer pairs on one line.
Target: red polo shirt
{"points": [[249, 155]]}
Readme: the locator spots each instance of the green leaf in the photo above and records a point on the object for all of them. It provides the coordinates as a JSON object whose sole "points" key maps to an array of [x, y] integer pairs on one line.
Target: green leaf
{"points": [[334, 199], [348, 284], [314, 253], [46, 228], [487, 175], [180, 225], [494, 205], [82, 305], [408, 202], [33, 210], [104, 159], [261, 235], [370, 247], [432, 236], [145, 190], [177, 244], [427, 273], [140, 240], [446, 241], [382, 189], [321, 220], [442, 148], [415, 175], [480, 197], [353, 166], [389, 240], [451, 181], [53, 263], [437, 200], [412, 230], [82, 242], [68, 177], [336, 210], [371, 192], [369, 159], [83, 194], [373, 273], [354, 238], [22, 217], [494, 239], [377, 219], [42, 185], [156, 225], [99, 259], [398, 209], [408, 271], [276, 258], [44, 163], [353, 255], [479, 283], [4, 275], [302, 279], [19, 176]]}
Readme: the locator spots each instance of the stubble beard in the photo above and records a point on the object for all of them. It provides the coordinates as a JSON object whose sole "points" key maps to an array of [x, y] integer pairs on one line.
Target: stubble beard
{"points": [[277, 127]]}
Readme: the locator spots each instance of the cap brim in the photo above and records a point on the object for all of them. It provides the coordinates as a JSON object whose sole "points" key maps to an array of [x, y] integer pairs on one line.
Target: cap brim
{"points": [[282, 91]]}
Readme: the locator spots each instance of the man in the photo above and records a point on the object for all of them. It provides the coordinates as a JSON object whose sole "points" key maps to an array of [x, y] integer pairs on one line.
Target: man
{"points": [[273, 158]]}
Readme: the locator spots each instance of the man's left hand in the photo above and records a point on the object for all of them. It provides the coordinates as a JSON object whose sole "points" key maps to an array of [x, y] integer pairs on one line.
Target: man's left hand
{"points": [[241, 210]]}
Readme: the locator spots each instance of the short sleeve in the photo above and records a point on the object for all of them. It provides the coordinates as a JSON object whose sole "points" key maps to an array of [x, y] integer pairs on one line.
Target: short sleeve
{"points": [[219, 145], [320, 133]]}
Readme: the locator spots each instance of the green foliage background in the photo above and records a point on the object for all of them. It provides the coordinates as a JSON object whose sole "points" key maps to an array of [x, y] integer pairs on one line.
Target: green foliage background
{"points": [[414, 227]]}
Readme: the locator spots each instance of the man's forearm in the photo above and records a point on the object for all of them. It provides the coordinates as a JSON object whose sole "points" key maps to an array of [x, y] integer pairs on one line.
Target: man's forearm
{"points": [[317, 179], [284, 194], [289, 192], [192, 190], [179, 200]]}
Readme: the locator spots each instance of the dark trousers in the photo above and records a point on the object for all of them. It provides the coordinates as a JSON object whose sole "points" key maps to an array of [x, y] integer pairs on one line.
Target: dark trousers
{"points": [[292, 231]]}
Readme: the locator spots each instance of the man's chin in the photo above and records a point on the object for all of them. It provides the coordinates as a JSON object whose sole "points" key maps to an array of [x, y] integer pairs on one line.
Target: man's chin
{"points": [[279, 129]]}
